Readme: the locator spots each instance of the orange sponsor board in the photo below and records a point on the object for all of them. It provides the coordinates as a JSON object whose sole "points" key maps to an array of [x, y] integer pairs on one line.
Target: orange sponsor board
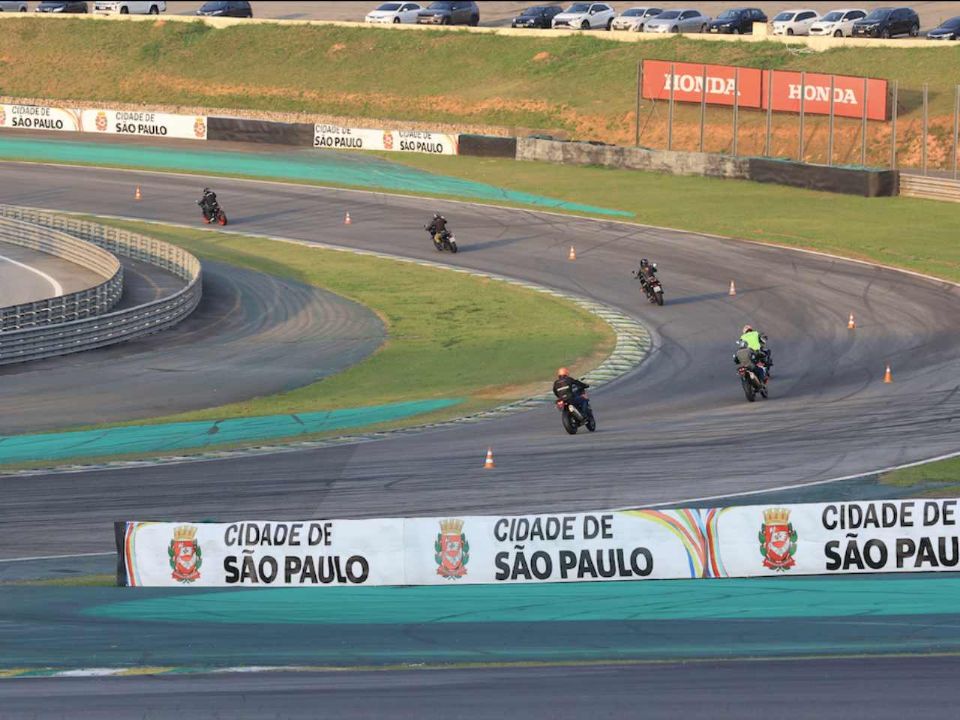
{"points": [[719, 84]]}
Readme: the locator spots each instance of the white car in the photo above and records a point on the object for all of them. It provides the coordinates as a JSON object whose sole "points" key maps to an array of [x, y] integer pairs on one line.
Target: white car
{"points": [[677, 21], [838, 23], [17, 6], [128, 7], [585, 16], [634, 18], [394, 12], [794, 22]]}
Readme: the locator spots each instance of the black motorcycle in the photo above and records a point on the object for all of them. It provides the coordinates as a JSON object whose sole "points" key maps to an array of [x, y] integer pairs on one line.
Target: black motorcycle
{"points": [[572, 418], [212, 212], [443, 240], [651, 287], [751, 382]]}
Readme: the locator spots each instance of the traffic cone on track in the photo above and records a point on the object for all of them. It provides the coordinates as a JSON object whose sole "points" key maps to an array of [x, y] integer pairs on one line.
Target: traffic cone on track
{"points": [[887, 376], [851, 324], [573, 254], [137, 195], [733, 289], [347, 220], [488, 463]]}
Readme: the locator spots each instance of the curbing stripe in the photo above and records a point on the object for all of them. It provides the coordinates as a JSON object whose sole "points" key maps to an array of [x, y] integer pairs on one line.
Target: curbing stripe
{"points": [[632, 347]]}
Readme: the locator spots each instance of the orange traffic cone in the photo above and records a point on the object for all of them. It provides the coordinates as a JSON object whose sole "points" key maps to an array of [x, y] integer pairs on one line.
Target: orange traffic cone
{"points": [[347, 220], [137, 195], [573, 254], [488, 463], [733, 289], [850, 323], [887, 376]]}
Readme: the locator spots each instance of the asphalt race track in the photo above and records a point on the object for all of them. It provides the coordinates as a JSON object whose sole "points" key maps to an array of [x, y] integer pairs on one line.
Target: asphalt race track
{"points": [[29, 275], [677, 428]]}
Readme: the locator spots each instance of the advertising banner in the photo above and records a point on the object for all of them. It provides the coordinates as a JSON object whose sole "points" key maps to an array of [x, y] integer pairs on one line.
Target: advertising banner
{"points": [[145, 124], [344, 138], [38, 117], [753, 87], [880, 536]]}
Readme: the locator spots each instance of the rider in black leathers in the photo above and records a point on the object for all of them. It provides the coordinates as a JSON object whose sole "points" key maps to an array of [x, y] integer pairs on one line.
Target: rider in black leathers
{"points": [[437, 226], [646, 272], [208, 203], [570, 390]]}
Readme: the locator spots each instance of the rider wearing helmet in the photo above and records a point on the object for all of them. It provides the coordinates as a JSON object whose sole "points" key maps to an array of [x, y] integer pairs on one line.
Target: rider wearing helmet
{"points": [[756, 344], [438, 225], [647, 271], [569, 389], [208, 202]]}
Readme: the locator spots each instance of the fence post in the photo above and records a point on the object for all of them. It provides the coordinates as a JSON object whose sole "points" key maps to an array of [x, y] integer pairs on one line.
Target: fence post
{"points": [[703, 105], [673, 82], [923, 147], [863, 126], [736, 107], [636, 118], [893, 127], [830, 131], [803, 95], [766, 144]]}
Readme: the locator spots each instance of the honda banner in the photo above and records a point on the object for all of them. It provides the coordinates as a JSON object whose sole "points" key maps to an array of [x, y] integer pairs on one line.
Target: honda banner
{"points": [[785, 89], [878, 536]]}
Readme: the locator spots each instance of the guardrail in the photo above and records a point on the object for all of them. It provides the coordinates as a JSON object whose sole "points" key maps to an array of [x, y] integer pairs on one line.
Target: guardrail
{"points": [[930, 188], [99, 331], [91, 301]]}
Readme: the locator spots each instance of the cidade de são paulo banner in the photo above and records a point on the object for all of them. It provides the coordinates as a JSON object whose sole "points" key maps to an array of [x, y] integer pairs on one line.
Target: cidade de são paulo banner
{"points": [[335, 137], [753, 87], [112, 122], [753, 541]]}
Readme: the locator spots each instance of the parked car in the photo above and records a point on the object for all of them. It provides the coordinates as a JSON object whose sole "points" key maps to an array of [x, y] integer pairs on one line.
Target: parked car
{"points": [[58, 6], [122, 7], [838, 23], [586, 16], [947, 30], [226, 9], [635, 18], [15, 6], [738, 21], [394, 12], [794, 22], [450, 13], [539, 16], [677, 21], [886, 22]]}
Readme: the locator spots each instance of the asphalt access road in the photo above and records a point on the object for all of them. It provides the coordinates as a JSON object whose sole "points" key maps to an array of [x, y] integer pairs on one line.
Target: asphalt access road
{"points": [[846, 689], [677, 428], [19, 284]]}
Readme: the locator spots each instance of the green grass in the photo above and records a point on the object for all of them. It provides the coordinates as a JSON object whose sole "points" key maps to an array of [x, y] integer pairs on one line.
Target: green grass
{"points": [[453, 333], [944, 473], [580, 84], [917, 234], [93, 580]]}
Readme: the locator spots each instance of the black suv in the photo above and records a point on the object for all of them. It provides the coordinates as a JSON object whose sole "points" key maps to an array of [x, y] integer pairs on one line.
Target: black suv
{"points": [[61, 7], [450, 13], [226, 9], [540, 16], [737, 21], [886, 22]]}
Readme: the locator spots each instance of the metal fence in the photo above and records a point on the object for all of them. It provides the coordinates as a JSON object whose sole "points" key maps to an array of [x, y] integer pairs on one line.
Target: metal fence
{"points": [[99, 331], [88, 302]]}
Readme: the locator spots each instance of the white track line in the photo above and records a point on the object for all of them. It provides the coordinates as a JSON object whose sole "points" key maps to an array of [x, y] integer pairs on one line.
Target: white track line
{"points": [[56, 557], [57, 287]]}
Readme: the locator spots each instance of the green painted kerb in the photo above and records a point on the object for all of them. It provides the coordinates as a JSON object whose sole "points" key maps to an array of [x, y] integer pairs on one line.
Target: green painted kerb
{"points": [[202, 434], [730, 599], [316, 167]]}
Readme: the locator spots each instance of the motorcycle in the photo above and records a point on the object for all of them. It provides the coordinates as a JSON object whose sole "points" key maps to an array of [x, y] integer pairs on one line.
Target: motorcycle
{"points": [[213, 214], [572, 419], [652, 288], [443, 240], [752, 385]]}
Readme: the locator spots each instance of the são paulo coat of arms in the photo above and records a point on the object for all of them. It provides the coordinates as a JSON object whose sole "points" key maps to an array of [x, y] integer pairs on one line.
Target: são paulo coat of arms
{"points": [[778, 540], [185, 555], [101, 121], [452, 551]]}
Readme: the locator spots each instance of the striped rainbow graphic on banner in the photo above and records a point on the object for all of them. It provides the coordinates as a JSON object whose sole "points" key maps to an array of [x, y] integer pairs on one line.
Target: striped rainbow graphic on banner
{"points": [[697, 530]]}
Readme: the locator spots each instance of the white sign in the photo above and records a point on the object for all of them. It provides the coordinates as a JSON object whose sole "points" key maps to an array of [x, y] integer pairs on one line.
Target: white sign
{"points": [[145, 124], [335, 137], [37, 117]]}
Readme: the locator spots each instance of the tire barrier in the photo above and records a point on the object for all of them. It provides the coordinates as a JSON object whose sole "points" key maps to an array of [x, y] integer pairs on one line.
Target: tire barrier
{"points": [[259, 131], [51, 340], [488, 146], [90, 302], [849, 181]]}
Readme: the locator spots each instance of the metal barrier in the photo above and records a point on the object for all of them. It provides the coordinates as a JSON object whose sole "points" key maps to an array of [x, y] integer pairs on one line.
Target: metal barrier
{"points": [[88, 333], [72, 306], [930, 188]]}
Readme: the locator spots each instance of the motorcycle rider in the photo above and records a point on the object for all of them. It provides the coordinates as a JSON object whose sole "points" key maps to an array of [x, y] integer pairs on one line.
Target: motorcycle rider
{"points": [[437, 226], [208, 203], [748, 358], [646, 272], [570, 390], [757, 342]]}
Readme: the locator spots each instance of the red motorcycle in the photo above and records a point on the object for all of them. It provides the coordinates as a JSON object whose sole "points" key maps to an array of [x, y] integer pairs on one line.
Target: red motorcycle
{"points": [[212, 213]]}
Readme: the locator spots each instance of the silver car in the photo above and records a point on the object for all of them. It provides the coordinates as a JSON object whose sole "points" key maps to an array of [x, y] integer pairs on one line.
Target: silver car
{"points": [[15, 6], [634, 18], [677, 21]]}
